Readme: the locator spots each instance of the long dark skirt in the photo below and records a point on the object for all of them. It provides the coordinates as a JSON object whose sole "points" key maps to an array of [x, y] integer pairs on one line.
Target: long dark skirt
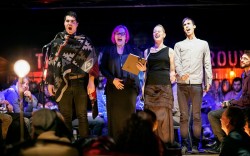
{"points": [[159, 99], [120, 105], [165, 128]]}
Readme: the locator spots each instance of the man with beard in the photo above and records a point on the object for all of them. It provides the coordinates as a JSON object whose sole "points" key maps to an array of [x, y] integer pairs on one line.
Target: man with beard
{"points": [[243, 102], [236, 91]]}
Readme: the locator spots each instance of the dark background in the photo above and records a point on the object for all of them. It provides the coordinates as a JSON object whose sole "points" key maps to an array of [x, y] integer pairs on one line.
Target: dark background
{"points": [[29, 26]]}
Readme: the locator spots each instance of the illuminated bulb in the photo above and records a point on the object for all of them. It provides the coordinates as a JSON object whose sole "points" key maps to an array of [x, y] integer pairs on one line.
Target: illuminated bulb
{"points": [[232, 73], [21, 68]]}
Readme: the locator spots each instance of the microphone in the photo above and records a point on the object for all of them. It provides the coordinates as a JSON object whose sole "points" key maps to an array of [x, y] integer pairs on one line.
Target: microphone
{"points": [[49, 44]]}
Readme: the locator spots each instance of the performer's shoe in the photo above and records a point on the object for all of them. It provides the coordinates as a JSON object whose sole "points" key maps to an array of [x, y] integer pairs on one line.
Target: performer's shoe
{"points": [[184, 146], [173, 145], [216, 149], [194, 150], [184, 150], [211, 145]]}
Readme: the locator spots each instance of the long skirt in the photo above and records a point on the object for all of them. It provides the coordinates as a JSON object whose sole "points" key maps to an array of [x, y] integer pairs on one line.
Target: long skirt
{"points": [[159, 99], [120, 105]]}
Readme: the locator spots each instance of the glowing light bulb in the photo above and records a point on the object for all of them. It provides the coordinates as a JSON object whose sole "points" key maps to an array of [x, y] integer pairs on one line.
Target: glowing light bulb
{"points": [[232, 74], [21, 68]]}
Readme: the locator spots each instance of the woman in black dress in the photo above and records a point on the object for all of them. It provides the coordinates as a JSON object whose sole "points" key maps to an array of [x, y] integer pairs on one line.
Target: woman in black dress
{"points": [[158, 94], [122, 88]]}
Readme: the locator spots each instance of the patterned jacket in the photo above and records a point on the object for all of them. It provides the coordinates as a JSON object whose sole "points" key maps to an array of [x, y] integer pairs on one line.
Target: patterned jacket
{"points": [[71, 54]]}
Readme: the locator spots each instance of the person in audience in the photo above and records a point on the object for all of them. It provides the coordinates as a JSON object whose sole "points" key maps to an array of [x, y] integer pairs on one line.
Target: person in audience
{"points": [[33, 87], [247, 125], [210, 101], [217, 92], [50, 122], [213, 96], [44, 98], [234, 93], [236, 90], [29, 104], [11, 123], [5, 121], [232, 123], [99, 146], [243, 102], [220, 92], [50, 136], [138, 136], [225, 88], [12, 95], [5, 118]]}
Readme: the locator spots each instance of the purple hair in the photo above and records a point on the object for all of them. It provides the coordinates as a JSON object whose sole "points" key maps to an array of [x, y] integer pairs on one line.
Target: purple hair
{"points": [[116, 30]]}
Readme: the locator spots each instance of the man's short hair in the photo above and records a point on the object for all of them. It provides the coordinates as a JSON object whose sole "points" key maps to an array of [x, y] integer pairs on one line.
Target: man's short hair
{"points": [[236, 117], [72, 14], [188, 18], [237, 79], [247, 52]]}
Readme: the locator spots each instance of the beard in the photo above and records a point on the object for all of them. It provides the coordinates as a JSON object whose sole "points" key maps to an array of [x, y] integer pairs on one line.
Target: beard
{"points": [[238, 90], [245, 65]]}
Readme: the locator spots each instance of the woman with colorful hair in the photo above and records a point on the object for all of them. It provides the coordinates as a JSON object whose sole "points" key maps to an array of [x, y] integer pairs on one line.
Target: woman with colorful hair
{"points": [[122, 87]]}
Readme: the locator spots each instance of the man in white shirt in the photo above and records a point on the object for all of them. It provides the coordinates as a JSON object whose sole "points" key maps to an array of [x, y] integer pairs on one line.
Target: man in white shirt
{"points": [[192, 55]]}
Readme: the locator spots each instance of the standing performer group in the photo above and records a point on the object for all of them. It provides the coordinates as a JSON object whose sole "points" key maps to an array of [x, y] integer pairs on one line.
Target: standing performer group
{"points": [[72, 64]]}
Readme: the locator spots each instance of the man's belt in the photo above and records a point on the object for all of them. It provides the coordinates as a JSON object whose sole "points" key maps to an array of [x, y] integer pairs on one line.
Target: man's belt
{"points": [[73, 77]]}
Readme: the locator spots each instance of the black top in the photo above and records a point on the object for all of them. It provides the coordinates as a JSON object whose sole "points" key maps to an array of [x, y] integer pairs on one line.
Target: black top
{"points": [[112, 62], [158, 68]]}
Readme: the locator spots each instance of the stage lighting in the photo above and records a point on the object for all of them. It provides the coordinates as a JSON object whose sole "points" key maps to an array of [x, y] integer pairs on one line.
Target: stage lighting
{"points": [[21, 68]]}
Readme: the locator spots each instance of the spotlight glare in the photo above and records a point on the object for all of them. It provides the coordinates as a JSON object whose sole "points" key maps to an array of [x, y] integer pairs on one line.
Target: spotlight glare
{"points": [[21, 68]]}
